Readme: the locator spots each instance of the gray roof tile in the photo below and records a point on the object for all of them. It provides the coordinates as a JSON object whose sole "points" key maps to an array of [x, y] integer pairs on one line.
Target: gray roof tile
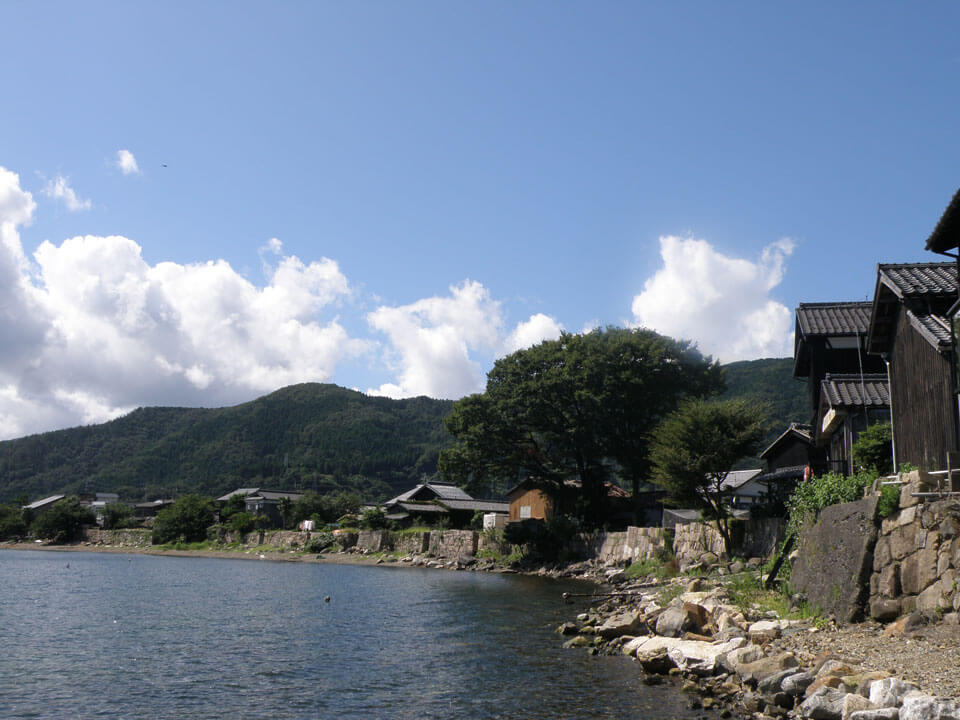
{"points": [[913, 280], [856, 390], [834, 318]]}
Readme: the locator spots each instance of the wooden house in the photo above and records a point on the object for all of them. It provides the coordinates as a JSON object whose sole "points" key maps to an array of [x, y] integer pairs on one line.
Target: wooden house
{"points": [[433, 502], [531, 502], [849, 403], [910, 330], [831, 338]]}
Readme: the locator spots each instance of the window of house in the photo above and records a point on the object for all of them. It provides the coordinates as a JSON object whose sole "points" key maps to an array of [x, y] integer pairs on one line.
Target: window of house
{"points": [[524, 512]]}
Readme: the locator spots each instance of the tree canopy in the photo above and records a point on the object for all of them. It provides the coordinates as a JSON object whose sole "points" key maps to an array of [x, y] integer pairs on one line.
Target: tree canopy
{"points": [[186, 520], [579, 408], [694, 449]]}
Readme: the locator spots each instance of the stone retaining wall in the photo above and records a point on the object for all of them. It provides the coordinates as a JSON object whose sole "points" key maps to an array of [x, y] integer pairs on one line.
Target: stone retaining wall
{"points": [[835, 557], [373, 540], [611, 548], [751, 538], [412, 543], [132, 537], [916, 563], [453, 543]]}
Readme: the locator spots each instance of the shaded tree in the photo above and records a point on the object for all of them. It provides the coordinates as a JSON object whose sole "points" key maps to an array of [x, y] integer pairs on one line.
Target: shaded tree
{"points": [[695, 448], [13, 524], [64, 521], [578, 408], [117, 515], [873, 449], [186, 520]]}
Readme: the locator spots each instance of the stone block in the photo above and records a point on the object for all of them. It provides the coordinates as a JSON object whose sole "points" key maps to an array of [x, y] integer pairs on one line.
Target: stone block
{"points": [[910, 575], [933, 598], [888, 581], [853, 703], [825, 704], [889, 691], [881, 554], [903, 541], [884, 609], [836, 558]]}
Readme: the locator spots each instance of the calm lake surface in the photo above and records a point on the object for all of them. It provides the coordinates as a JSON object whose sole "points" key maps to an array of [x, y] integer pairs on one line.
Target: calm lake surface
{"points": [[90, 635]]}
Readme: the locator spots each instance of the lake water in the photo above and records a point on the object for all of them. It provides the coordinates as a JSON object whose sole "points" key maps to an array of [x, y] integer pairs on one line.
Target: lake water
{"points": [[90, 635]]}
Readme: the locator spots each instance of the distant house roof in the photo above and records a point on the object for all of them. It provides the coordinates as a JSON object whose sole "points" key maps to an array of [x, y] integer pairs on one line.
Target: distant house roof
{"points": [[477, 505], [793, 472], [153, 503], [39, 504], [796, 431], [856, 391], [239, 491], [826, 319], [926, 289], [275, 495], [946, 235], [421, 507], [431, 490], [736, 479]]}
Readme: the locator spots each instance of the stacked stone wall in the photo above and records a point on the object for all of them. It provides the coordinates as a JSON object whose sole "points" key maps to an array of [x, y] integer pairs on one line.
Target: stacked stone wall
{"points": [[613, 548], [373, 540], [412, 543], [131, 537], [751, 538], [916, 564], [453, 543]]}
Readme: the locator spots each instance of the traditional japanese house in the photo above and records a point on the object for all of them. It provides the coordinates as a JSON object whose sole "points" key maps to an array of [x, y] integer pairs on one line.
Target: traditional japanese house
{"points": [[430, 502], [789, 459], [910, 330], [831, 337], [848, 405]]}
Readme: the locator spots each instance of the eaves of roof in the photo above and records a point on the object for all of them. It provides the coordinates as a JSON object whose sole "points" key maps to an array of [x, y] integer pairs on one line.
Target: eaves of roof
{"points": [[946, 235]]}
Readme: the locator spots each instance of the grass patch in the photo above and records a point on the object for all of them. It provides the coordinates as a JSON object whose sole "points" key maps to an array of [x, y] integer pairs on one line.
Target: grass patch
{"points": [[653, 567], [745, 592]]}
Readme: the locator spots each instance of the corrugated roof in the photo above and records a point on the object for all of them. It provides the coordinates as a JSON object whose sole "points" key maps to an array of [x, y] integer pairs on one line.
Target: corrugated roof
{"points": [[45, 501], [834, 318], [856, 390], [738, 478], [915, 280], [946, 235]]}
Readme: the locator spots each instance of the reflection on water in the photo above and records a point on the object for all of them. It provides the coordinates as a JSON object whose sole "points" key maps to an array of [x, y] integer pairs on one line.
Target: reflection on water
{"points": [[135, 636]]}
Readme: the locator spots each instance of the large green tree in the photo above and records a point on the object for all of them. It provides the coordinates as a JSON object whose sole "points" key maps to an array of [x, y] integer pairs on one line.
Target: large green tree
{"points": [[579, 408], [186, 520], [696, 447]]}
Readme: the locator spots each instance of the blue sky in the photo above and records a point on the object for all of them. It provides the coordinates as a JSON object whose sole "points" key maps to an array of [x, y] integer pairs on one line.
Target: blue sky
{"points": [[389, 196]]}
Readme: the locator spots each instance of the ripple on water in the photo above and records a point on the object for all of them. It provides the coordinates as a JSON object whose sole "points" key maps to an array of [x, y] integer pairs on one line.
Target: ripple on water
{"points": [[160, 637]]}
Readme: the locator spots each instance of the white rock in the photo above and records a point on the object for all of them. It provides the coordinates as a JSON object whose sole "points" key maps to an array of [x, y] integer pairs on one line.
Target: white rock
{"points": [[889, 692], [853, 703]]}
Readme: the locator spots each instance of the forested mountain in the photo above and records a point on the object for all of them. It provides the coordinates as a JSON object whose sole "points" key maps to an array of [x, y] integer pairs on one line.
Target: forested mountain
{"points": [[308, 436], [769, 382]]}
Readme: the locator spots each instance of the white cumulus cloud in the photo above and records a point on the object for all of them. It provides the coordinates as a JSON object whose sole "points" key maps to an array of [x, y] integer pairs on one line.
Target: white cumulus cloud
{"points": [[91, 330], [538, 328], [437, 345], [127, 163], [722, 303], [59, 189]]}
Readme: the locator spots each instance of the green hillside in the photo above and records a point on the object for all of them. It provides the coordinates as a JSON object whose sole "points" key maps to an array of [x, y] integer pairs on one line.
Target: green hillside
{"points": [[770, 383], [309, 436]]}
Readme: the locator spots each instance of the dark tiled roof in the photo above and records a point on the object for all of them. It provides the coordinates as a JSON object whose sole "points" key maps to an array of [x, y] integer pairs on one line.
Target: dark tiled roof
{"points": [[934, 328], [914, 280], [946, 235], [785, 473], [856, 390], [276, 495], [427, 507], [441, 491], [736, 479], [834, 318], [801, 431], [477, 505]]}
